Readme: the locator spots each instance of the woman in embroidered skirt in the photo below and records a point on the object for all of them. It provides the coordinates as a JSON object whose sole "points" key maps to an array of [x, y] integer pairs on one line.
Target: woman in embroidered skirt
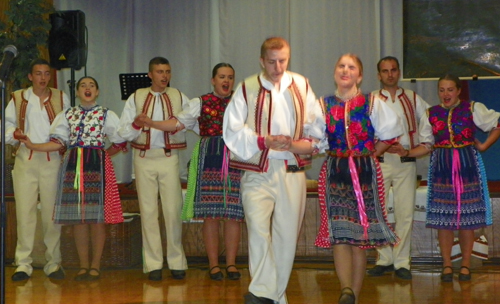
{"points": [[213, 193], [88, 195], [458, 197], [351, 189]]}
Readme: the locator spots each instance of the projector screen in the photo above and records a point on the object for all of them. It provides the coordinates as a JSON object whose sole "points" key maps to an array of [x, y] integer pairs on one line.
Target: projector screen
{"points": [[461, 37]]}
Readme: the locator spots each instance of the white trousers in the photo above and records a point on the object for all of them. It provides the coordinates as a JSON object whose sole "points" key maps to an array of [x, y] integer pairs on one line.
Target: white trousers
{"points": [[156, 173], [33, 177], [403, 177], [274, 205]]}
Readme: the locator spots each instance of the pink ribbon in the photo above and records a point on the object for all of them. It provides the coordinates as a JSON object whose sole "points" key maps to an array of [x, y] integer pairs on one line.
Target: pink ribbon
{"points": [[225, 178], [458, 187], [359, 196]]}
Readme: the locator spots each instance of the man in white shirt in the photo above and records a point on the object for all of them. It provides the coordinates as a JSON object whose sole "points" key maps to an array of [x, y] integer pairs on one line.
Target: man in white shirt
{"points": [[30, 113], [156, 165], [400, 172], [272, 126]]}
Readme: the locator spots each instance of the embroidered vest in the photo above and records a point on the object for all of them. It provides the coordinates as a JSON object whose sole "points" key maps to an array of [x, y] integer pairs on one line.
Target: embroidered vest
{"points": [[53, 105], [86, 127], [171, 102], [452, 128], [212, 114], [349, 128], [408, 99], [260, 111]]}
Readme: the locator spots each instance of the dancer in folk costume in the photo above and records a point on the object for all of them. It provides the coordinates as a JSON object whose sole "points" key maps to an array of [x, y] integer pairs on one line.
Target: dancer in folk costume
{"points": [[156, 167], [213, 192], [399, 172], [87, 196], [351, 188], [31, 112], [458, 197], [272, 126]]}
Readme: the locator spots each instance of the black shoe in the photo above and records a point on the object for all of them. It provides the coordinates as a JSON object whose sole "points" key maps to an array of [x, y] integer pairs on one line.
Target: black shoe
{"points": [[58, 274], [178, 274], [233, 275], [347, 296], [94, 277], [216, 276], [447, 277], [380, 270], [403, 273], [250, 298], [20, 276], [464, 277], [155, 275], [82, 276]]}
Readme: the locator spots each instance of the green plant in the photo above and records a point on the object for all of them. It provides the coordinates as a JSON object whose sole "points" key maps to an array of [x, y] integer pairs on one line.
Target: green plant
{"points": [[26, 27]]}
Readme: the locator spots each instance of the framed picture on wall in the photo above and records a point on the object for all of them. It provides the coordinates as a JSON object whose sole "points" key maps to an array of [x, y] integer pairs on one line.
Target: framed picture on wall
{"points": [[451, 36]]}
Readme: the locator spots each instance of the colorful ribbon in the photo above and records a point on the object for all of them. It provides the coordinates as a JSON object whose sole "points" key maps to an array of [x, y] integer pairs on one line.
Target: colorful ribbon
{"points": [[78, 183], [458, 186], [225, 177], [359, 196]]}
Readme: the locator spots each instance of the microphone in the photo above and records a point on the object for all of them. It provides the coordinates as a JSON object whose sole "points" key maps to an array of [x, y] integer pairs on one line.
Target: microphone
{"points": [[9, 53]]}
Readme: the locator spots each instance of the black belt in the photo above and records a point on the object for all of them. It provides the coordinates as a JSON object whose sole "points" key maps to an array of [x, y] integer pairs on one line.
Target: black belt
{"points": [[403, 159], [294, 168]]}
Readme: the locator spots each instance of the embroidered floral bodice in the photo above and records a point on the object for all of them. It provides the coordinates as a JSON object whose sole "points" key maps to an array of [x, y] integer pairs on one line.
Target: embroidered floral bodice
{"points": [[349, 128], [86, 126], [454, 127], [212, 114]]}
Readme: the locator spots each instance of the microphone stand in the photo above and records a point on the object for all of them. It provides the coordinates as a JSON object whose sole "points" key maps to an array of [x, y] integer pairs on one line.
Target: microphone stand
{"points": [[3, 209]]}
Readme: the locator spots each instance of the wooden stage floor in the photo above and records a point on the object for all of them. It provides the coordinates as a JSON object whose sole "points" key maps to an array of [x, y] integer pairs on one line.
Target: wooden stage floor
{"points": [[310, 283]]}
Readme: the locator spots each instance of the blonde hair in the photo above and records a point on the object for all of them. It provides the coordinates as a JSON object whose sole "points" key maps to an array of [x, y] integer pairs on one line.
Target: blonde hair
{"points": [[355, 58]]}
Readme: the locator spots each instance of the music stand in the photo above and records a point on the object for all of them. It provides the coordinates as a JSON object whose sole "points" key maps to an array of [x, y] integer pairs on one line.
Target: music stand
{"points": [[130, 82]]}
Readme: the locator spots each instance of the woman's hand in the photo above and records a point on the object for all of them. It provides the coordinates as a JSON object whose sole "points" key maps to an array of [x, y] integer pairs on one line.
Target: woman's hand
{"points": [[27, 142], [399, 149], [481, 147]]}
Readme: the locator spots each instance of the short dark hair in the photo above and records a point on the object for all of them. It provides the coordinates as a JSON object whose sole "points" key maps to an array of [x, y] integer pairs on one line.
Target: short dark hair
{"points": [[89, 77], [386, 58], [221, 65], [157, 60], [453, 78], [38, 61]]}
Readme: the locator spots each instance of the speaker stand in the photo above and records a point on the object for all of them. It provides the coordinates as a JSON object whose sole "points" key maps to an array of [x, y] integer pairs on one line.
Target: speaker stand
{"points": [[71, 84]]}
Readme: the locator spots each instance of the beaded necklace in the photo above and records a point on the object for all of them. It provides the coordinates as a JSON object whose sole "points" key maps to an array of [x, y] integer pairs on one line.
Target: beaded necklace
{"points": [[346, 98]]}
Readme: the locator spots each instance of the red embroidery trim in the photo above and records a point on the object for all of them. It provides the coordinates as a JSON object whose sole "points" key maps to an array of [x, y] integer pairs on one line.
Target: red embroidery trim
{"points": [[135, 126], [261, 142]]}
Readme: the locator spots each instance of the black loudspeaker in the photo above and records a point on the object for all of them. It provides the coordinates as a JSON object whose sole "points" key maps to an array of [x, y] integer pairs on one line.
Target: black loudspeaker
{"points": [[67, 45]]}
